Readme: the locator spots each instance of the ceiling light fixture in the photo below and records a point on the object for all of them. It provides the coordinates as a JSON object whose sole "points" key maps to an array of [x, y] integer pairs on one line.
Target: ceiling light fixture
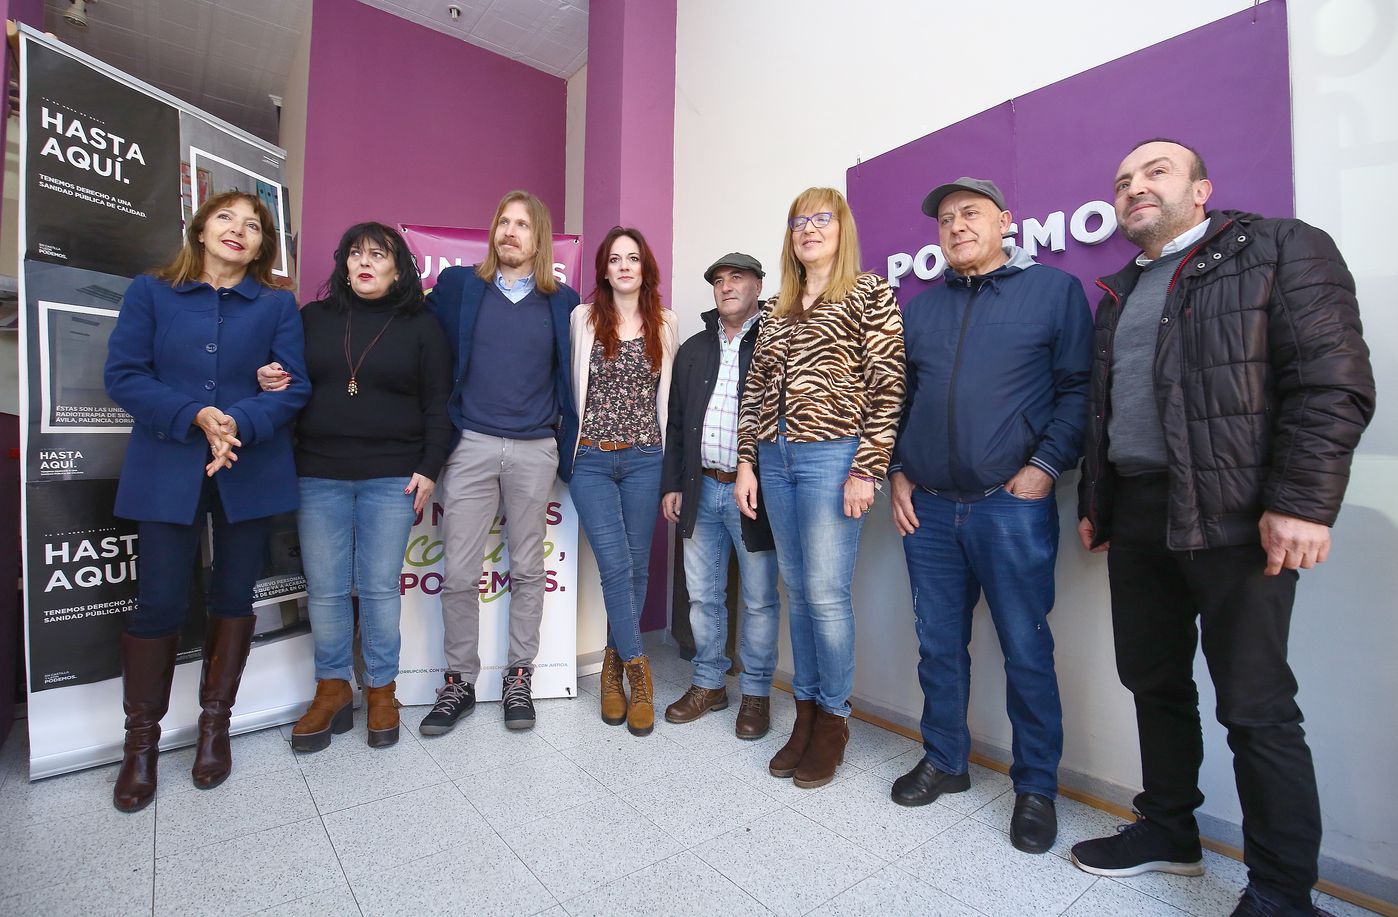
{"points": [[453, 12], [76, 14]]}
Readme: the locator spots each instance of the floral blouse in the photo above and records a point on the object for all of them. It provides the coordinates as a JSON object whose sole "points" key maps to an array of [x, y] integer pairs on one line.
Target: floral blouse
{"points": [[621, 396]]}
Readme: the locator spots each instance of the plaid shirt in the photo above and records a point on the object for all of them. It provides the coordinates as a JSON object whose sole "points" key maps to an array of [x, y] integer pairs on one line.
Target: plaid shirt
{"points": [[719, 445]]}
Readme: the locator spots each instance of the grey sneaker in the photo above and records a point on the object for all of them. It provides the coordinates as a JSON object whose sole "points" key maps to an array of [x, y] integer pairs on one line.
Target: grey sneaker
{"points": [[455, 699]]}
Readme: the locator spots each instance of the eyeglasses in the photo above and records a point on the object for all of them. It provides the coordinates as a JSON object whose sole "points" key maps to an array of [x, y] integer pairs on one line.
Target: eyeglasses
{"points": [[818, 220]]}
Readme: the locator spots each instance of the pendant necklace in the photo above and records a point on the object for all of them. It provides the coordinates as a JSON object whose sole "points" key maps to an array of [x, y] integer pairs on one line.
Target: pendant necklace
{"points": [[353, 388]]}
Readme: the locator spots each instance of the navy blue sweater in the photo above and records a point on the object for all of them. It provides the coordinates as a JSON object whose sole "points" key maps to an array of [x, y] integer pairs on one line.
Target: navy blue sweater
{"points": [[997, 377], [456, 301]]}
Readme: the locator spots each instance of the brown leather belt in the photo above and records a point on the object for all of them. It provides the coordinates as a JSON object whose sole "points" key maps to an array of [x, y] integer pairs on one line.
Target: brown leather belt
{"points": [[723, 477], [606, 445]]}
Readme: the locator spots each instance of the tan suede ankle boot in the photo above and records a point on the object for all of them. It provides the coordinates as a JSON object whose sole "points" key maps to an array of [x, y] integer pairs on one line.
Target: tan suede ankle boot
{"points": [[640, 714], [613, 692]]}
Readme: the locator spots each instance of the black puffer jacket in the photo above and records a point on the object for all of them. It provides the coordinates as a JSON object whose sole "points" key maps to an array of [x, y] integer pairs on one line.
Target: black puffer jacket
{"points": [[1262, 380]]}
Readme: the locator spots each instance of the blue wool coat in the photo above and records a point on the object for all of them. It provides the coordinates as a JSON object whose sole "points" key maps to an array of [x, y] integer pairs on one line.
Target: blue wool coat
{"points": [[178, 349], [456, 301]]}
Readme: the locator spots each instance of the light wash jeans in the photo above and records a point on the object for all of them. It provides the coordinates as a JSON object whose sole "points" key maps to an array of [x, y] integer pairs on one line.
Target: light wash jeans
{"points": [[354, 533], [717, 526], [803, 484]]}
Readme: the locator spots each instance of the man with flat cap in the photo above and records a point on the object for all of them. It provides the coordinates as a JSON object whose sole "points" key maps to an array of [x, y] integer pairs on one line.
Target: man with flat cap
{"points": [[701, 460], [998, 357]]}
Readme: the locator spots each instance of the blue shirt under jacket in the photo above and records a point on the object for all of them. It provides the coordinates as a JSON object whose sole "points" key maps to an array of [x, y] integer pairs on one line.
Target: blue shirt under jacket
{"points": [[175, 350], [456, 301], [997, 377]]}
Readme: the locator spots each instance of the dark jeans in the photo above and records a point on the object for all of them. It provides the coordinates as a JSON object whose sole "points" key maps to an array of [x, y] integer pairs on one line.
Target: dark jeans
{"points": [[1244, 618], [1005, 546], [166, 564]]}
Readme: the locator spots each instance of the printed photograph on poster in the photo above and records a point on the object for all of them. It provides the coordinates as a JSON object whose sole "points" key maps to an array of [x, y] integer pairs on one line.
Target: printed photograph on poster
{"points": [[72, 352], [229, 176], [101, 166]]}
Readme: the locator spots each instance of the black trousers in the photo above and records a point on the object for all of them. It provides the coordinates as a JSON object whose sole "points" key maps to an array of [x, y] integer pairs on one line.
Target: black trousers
{"points": [[1162, 602], [166, 567]]}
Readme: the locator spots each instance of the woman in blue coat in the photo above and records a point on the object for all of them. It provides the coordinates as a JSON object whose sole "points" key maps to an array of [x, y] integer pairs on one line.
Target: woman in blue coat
{"points": [[182, 361]]}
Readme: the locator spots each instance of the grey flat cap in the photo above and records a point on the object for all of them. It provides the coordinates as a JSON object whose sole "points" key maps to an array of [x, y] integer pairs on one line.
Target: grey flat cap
{"points": [[734, 259], [965, 183]]}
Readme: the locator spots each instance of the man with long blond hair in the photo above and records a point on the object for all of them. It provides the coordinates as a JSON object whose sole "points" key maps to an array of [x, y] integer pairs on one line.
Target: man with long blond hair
{"points": [[506, 320]]}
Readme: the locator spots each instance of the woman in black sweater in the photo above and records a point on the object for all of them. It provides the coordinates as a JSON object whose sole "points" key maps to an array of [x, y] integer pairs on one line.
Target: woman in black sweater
{"points": [[369, 445]]}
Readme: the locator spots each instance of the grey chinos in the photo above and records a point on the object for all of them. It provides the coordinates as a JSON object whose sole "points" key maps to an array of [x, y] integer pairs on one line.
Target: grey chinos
{"points": [[484, 474]]}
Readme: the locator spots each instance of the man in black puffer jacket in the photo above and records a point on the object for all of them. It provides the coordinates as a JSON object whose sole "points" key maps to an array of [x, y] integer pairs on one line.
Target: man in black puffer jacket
{"points": [[1230, 386]]}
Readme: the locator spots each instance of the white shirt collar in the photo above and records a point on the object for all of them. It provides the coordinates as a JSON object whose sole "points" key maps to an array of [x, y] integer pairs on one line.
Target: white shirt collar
{"points": [[1178, 243]]}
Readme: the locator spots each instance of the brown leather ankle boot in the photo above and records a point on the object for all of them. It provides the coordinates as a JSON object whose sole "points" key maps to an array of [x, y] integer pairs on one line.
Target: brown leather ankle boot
{"points": [[383, 715], [331, 711], [640, 713], [826, 752], [613, 693], [147, 666], [783, 763], [226, 648]]}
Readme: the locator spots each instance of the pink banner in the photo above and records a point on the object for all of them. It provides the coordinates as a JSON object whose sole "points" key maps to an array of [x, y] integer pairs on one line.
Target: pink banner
{"points": [[439, 247]]}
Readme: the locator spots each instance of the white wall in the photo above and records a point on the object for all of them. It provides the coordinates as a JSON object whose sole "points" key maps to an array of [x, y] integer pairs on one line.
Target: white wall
{"points": [[772, 97]]}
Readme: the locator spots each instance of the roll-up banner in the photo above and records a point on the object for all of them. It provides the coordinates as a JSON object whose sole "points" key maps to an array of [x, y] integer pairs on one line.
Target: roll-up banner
{"points": [[421, 661], [110, 169]]}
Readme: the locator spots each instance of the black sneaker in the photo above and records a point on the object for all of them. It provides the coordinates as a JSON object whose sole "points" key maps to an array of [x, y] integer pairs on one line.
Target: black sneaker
{"points": [[455, 699], [519, 706], [1257, 902], [1137, 848]]}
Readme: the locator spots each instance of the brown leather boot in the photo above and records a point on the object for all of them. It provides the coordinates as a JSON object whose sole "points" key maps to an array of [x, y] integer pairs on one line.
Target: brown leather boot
{"points": [[383, 715], [754, 717], [147, 666], [695, 702], [226, 648], [826, 752], [783, 763], [331, 711], [613, 692], [640, 713]]}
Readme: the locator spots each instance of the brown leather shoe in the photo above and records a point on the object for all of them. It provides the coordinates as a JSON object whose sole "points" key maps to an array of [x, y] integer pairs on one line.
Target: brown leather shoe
{"points": [[331, 711], [783, 764], [695, 702], [640, 713], [826, 752], [147, 666], [613, 692], [754, 717], [383, 715], [226, 645]]}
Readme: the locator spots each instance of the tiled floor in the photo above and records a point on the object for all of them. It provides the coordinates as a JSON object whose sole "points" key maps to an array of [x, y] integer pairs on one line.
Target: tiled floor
{"points": [[574, 817]]}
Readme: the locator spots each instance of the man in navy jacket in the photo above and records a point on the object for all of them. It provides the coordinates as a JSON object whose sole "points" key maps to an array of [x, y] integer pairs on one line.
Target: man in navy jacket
{"points": [[998, 357], [506, 320]]}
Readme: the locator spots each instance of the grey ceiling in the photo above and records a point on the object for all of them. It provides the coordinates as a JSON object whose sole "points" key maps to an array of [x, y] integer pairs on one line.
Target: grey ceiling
{"points": [[229, 56]]}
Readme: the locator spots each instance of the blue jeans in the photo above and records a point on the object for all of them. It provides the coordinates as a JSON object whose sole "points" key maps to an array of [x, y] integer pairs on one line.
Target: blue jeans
{"points": [[617, 496], [1006, 546], [804, 486], [717, 525], [354, 533]]}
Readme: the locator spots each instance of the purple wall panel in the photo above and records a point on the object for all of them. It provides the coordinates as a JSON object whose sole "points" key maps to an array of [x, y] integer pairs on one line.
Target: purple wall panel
{"points": [[1223, 88], [407, 125]]}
